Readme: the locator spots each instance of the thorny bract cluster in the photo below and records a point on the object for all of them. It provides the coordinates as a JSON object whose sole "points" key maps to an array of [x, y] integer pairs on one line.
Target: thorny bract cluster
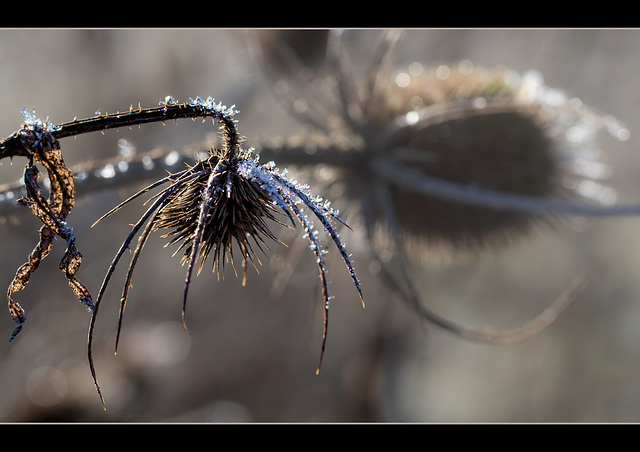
{"points": [[228, 197]]}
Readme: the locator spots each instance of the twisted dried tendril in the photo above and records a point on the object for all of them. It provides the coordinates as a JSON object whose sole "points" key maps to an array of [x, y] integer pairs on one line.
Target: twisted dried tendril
{"points": [[37, 142]]}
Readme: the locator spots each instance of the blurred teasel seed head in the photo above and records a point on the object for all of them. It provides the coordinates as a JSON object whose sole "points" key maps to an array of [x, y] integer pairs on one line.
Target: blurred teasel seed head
{"points": [[481, 129]]}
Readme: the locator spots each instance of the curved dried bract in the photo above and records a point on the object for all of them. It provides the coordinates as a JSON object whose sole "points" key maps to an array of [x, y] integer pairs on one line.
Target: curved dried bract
{"points": [[227, 200], [36, 141]]}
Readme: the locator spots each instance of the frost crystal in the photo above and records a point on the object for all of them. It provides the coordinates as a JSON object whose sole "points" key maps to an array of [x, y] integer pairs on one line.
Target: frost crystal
{"points": [[31, 121], [169, 100], [35, 130], [287, 193], [210, 106]]}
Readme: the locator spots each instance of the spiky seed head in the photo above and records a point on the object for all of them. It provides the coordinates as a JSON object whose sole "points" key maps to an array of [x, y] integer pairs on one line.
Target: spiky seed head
{"points": [[240, 211], [520, 147]]}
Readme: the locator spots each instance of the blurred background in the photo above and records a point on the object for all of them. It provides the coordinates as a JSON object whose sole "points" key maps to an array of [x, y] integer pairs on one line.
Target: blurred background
{"points": [[250, 353]]}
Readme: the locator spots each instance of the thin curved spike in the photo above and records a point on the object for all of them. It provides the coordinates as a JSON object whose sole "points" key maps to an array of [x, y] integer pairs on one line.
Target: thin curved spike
{"points": [[328, 227], [140, 193], [318, 252], [197, 235], [151, 210], [142, 240], [325, 327], [280, 186], [125, 245]]}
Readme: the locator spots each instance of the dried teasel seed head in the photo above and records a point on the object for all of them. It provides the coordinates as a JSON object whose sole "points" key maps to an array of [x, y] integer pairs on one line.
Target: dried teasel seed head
{"points": [[239, 213], [455, 159], [487, 129], [507, 149], [516, 136], [228, 197]]}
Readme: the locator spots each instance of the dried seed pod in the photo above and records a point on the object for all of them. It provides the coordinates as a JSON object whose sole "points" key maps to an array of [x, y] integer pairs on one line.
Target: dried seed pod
{"points": [[239, 212]]}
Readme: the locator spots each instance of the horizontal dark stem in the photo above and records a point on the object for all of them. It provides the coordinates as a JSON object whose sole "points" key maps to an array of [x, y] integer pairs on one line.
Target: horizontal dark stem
{"points": [[117, 172], [142, 116], [12, 145]]}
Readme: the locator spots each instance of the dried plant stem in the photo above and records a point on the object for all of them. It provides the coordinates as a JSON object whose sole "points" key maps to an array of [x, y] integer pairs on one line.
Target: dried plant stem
{"points": [[13, 146], [405, 176], [150, 165]]}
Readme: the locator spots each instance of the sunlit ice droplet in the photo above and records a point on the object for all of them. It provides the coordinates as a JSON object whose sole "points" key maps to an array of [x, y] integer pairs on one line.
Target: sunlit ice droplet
{"points": [[579, 134], [592, 169], [172, 158], [465, 67], [623, 134], [412, 117], [415, 68], [593, 190], [443, 72], [126, 148], [107, 172], [147, 162], [616, 128], [403, 79], [480, 103]]}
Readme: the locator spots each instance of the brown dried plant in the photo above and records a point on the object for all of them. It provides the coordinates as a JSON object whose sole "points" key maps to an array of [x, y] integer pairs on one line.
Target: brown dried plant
{"points": [[37, 142]]}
